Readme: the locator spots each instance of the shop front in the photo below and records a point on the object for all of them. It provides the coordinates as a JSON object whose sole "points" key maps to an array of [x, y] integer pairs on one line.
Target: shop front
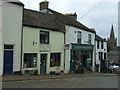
{"points": [[81, 57]]}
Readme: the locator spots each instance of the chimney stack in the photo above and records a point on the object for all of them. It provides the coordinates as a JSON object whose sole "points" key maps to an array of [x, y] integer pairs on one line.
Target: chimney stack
{"points": [[71, 15], [43, 5]]}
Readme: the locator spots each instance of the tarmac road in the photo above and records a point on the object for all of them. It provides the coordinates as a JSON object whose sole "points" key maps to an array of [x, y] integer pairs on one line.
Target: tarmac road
{"points": [[79, 82]]}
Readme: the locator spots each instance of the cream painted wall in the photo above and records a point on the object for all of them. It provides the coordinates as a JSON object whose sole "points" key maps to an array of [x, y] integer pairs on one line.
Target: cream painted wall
{"points": [[1, 45], [56, 45], [12, 27], [119, 23], [71, 37]]}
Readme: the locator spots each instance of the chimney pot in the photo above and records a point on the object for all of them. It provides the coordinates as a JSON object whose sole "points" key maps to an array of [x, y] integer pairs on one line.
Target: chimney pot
{"points": [[43, 5], [72, 15]]}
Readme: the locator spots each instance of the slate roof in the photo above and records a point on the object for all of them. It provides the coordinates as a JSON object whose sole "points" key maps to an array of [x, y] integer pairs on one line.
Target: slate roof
{"points": [[66, 20], [99, 38], [114, 52], [53, 21], [41, 20]]}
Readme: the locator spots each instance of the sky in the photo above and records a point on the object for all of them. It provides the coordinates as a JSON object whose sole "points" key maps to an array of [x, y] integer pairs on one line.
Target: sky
{"points": [[97, 14]]}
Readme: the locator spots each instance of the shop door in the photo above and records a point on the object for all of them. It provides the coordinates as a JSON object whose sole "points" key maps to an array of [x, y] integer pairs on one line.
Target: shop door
{"points": [[8, 62], [43, 63], [72, 62]]}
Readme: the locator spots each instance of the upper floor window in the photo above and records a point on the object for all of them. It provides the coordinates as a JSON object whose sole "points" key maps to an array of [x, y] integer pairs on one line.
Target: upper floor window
{"points": [[44, 37], [102, 45], [89, 38], [98, 45], [79, 37]]}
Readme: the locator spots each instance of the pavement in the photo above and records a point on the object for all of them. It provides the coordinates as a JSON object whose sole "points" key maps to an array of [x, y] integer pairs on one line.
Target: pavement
{"points": [[12, 78]]}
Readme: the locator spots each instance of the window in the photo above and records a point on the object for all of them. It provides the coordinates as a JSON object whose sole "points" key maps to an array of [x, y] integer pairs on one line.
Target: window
{"points": [[98, 45], [89, 38], [30, 60], [102, 45], [44, 37], [100, 56], [105, 56], [55, 59], [79, 37]]}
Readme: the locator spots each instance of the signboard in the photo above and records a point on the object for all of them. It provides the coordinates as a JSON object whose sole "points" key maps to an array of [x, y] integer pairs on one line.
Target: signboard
{"points": [[67, 46], [44, 48], [82, 47]]}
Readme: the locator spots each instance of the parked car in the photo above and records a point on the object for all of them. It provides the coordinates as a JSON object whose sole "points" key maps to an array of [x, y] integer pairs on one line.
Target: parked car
{"points": [[114, 68]]}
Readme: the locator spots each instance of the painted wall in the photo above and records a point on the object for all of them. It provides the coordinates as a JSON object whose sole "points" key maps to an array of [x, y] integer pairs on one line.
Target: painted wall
{"points": [[1, 46], [71, 37], [119, 23], [12, 27], [104, 50], [56, 45]]}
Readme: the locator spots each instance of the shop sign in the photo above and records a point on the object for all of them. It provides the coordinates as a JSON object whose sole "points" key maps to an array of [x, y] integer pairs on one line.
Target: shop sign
{"points": [[66, 46], [82, 47], [45, 48]]}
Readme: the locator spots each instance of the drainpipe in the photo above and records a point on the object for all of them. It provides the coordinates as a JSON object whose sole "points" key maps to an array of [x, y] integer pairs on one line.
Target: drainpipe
{"points": [[64, 52], [22, 42]]}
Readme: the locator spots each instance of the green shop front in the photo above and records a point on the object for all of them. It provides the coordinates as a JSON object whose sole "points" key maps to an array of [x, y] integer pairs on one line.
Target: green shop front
{"points": [[81, 57]]}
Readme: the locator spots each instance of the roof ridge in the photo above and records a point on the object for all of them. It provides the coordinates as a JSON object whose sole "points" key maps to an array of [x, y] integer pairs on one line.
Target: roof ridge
{"points": [[72, 20]]}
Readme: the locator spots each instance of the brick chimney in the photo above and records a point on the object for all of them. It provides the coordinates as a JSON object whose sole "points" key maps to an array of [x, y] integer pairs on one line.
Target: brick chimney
{"points": [[43, 5], [71, 15]]}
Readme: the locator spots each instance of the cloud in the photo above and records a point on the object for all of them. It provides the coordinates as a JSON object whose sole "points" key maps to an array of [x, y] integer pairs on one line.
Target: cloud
{"points": [[101, 18]]}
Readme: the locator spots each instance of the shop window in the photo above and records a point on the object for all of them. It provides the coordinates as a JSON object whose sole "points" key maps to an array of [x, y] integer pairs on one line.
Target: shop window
{"points": [[89, 38], [55, 59], [79, 37], [30, 60], [44, 37]]}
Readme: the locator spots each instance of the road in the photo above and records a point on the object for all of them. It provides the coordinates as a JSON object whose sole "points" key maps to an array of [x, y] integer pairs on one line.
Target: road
{"points": [[79, 82]]}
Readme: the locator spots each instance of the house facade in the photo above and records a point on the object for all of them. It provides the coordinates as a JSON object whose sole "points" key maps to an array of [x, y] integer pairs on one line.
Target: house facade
{"points": [[100, 53], [10, 37], [43, 43], [79, 38], [1, 46], [81, 49], [119, 23]]}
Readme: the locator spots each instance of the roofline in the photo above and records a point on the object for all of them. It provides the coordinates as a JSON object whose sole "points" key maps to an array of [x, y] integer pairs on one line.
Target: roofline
{"points": [[82, 28], [51, 29], [17, 3], [89, 30]]}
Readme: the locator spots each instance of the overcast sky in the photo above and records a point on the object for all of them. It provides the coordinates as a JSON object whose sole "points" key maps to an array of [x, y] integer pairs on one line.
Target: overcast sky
{"points": [[98, 14]]}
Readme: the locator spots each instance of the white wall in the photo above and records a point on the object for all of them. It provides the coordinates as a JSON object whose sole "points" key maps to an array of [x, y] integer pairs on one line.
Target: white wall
{"points": [[1, 50], [12, 27], [71, 37], [104, 50], [119, 23]]}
